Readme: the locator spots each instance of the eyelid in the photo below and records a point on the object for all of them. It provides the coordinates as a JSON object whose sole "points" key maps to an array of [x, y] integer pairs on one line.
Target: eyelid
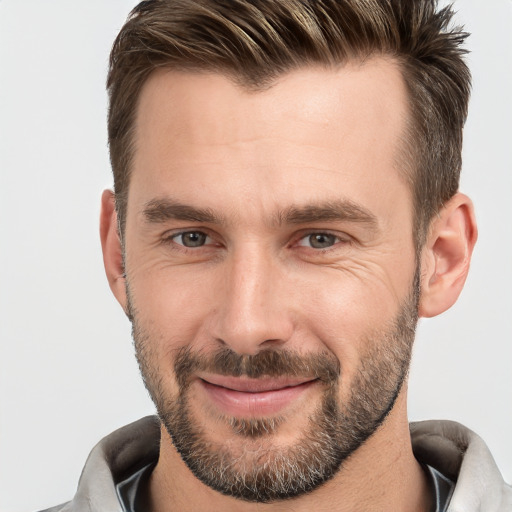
{"points": [[170, 236], [181, 235], [342, 238]]}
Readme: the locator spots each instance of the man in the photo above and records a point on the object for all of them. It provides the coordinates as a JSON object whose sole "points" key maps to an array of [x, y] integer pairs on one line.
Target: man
{"points": [[286, 206]]}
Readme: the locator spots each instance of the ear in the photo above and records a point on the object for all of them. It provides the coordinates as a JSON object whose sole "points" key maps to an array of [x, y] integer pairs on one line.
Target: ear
{"points": [[112, 248], [446, 256]]}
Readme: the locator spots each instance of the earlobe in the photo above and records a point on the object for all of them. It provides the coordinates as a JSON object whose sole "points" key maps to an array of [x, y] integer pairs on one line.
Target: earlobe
{"points": [[446, 256], [112, 247]]}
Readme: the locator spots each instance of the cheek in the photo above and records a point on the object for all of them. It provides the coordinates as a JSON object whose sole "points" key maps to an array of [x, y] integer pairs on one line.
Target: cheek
{"points": [[172, 304], [347, 309]]}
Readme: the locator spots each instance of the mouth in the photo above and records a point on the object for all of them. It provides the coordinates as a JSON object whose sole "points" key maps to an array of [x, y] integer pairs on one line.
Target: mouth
{"points": [[245, 397]]}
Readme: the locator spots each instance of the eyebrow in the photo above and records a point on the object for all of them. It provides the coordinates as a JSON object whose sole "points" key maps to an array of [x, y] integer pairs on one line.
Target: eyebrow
{"points": [[162, 210], [331, 211], [159, 211]]}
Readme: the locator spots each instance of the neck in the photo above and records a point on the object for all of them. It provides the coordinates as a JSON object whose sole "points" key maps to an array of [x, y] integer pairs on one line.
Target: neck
{"points": [[381, 475]]}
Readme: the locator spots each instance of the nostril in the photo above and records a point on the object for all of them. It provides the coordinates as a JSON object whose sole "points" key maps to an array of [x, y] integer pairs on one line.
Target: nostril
{"points": [[249, 347], [272, 342]]}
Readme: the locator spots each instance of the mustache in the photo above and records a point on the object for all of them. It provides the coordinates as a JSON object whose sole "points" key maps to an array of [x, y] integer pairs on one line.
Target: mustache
{"points": [[323, 366]]}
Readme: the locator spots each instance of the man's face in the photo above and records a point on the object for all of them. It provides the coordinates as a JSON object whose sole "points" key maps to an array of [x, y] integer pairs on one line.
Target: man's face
{"points": [[271, 271]]}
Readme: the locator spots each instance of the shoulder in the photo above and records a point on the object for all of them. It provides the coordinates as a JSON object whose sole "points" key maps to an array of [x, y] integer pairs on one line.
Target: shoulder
{"points": [[64, 507], [110, 461], [462, 456]]}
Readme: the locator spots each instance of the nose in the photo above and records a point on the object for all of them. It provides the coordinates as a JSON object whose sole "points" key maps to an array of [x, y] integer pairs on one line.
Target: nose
{"points": [[253, 310]]}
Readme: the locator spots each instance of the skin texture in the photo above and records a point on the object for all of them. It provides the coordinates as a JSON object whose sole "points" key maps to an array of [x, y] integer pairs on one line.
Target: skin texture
{"points": [[259, 174]]}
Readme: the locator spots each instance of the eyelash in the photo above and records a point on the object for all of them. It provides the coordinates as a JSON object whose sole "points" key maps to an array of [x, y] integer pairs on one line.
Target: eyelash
{"points": [[170, 238], [339, 239]]}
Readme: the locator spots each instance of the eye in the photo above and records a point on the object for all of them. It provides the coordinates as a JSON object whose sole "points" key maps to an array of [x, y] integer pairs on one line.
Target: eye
{"points": [[191, 239], [319, 240]]}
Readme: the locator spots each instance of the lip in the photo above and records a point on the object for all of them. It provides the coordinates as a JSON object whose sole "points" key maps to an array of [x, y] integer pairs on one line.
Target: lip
{"points": [[245, 397]]}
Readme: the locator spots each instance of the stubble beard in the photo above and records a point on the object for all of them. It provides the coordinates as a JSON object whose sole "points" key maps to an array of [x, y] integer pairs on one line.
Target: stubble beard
{"points": [[334, 431]]}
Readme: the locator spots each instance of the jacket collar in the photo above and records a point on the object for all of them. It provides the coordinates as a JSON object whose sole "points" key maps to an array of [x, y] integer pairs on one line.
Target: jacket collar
{"points": [[462, 456]]}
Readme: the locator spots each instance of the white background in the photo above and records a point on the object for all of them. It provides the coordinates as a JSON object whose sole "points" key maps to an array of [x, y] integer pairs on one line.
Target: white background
{"points": [[67, 372]]}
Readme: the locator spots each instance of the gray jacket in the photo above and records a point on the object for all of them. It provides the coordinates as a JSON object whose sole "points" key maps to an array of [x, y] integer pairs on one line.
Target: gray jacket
{"points": [[454, 450]]}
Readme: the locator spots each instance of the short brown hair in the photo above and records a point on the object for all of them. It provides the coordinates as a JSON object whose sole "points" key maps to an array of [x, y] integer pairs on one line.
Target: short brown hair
{"points": [[256, 41]]}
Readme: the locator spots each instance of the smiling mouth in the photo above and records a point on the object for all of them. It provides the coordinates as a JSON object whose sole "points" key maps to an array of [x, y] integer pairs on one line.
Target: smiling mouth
{"points": [[245, 397]]}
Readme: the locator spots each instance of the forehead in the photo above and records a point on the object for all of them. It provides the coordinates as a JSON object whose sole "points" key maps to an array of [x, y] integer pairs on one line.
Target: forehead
{"points": [[310, 125], [312, 95]]}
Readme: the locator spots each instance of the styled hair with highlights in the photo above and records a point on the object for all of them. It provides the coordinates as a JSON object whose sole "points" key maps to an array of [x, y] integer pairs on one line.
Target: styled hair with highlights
{"points": [[254, 42]]}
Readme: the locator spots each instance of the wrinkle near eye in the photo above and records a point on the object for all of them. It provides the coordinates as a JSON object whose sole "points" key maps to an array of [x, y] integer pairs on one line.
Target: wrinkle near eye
{"points": [[372, 274]]}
